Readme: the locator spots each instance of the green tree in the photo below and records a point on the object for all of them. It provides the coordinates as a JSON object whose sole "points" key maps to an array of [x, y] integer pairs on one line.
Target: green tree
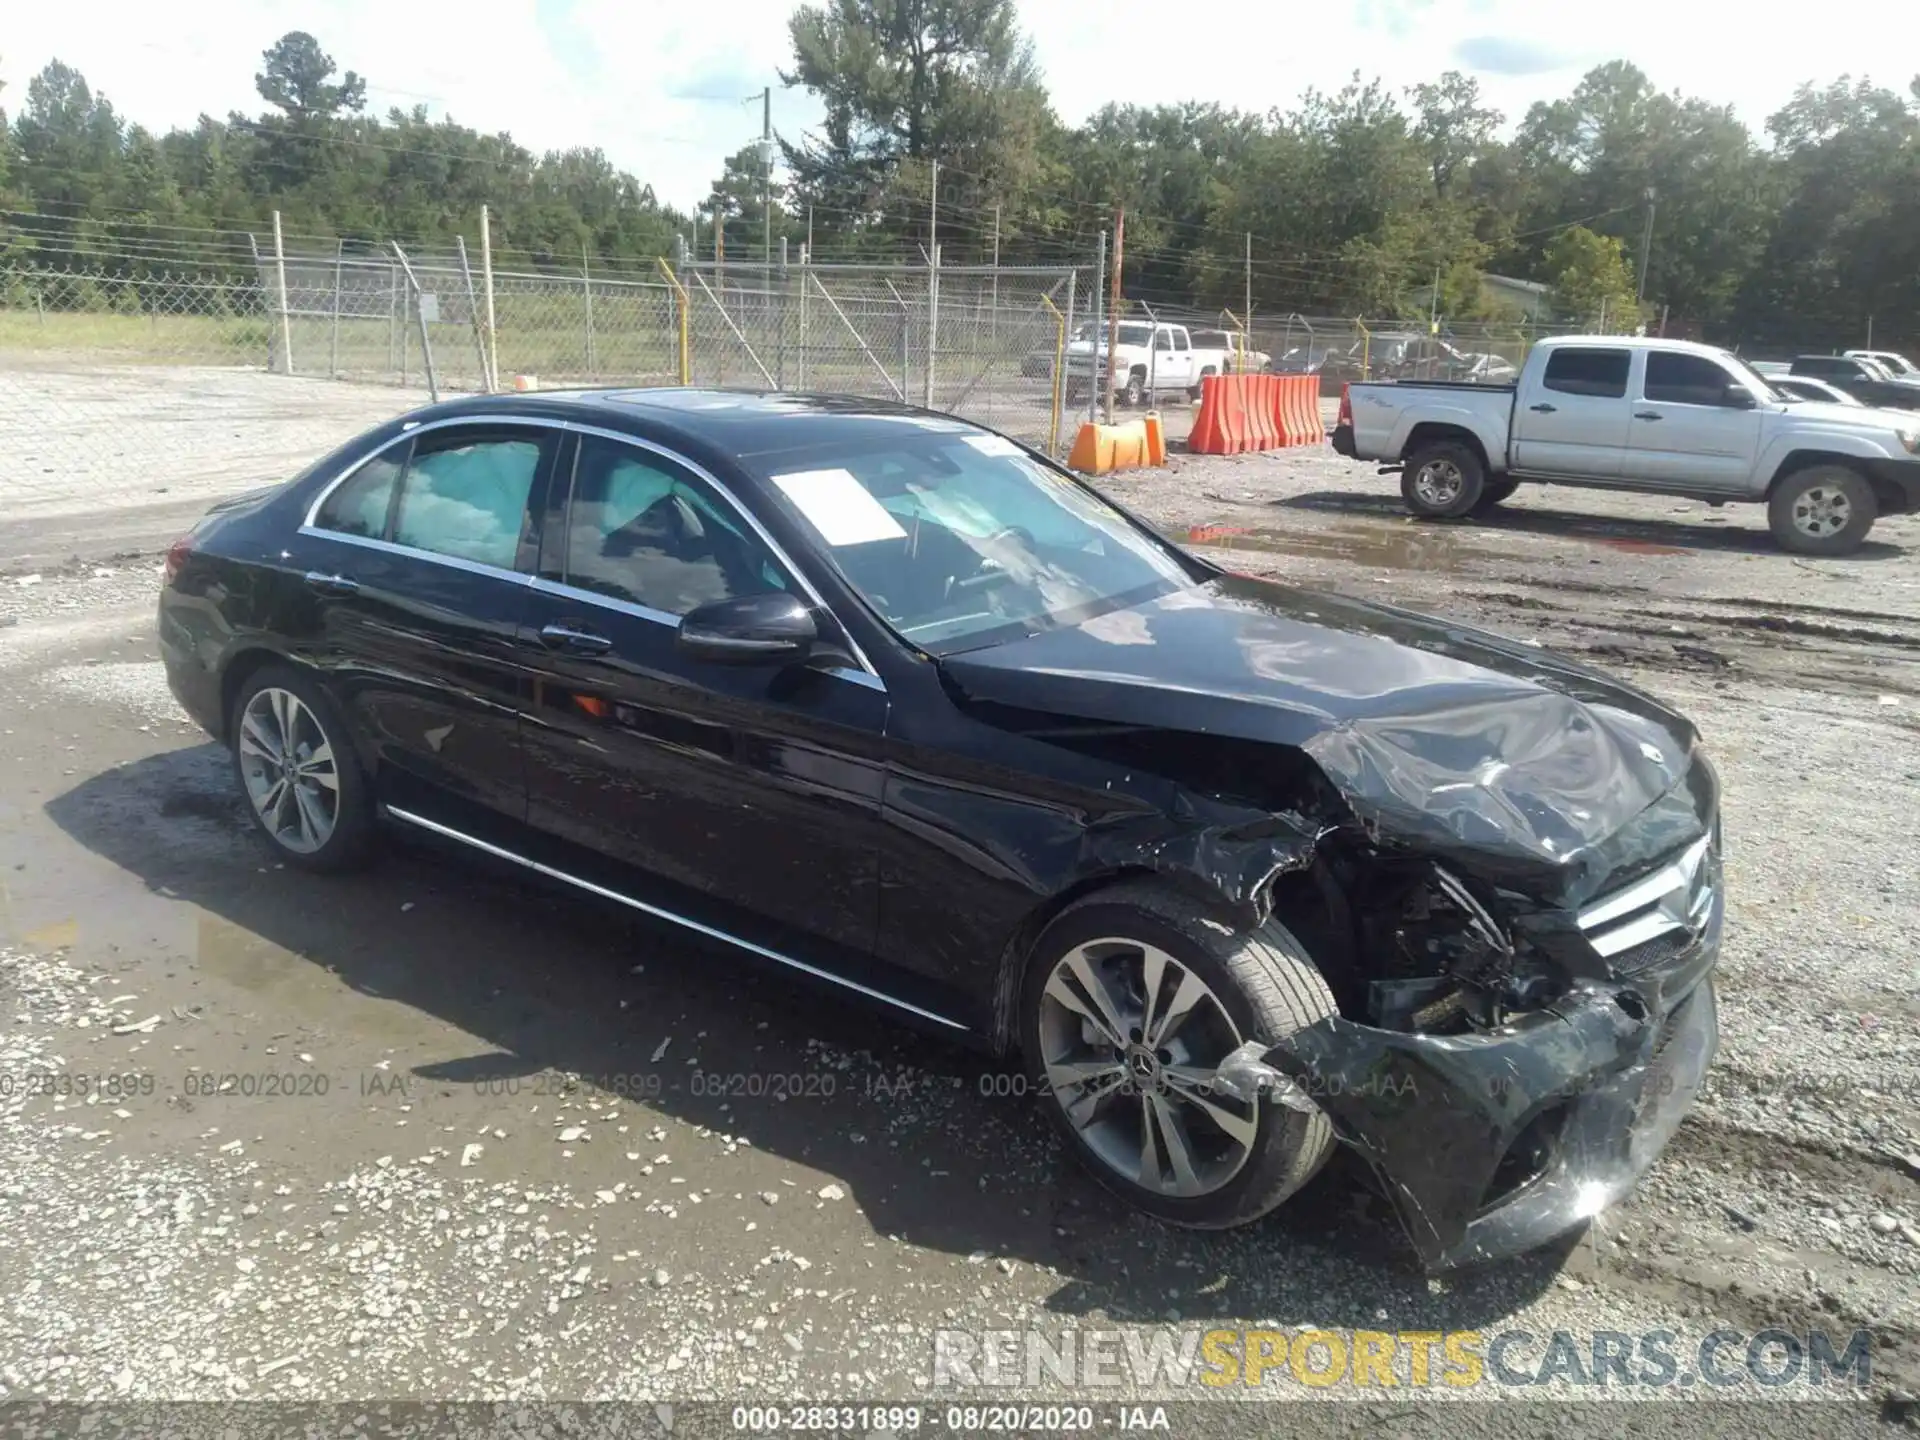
{"points": [[906, 83], [298, 79], [1592, 280]]}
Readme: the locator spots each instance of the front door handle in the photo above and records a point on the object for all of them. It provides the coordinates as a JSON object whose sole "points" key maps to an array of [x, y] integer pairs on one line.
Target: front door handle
{"points": [[577, 642], [327, 584], [1543, 409], [1646, 414]]}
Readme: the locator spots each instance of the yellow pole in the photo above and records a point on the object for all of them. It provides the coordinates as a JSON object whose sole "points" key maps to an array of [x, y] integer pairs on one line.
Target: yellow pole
{"points": [[1240, 333], [1366, 348], [1059, 365], [686, 359]]}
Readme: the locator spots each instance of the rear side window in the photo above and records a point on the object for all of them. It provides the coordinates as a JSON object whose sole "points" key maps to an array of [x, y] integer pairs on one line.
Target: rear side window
{"points": [[1578, 370], [467, 498], [1825, 368], [359, 504], [1677, 379]]}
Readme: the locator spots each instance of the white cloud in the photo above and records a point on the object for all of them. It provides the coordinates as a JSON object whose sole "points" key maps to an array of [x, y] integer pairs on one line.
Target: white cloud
{"points": [[658, 83]]}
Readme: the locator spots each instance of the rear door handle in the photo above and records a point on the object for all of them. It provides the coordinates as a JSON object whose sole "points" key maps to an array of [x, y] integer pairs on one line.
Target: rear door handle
{"points": [[577, 642], [332, 584], [1646, 414], [1544, 409]]}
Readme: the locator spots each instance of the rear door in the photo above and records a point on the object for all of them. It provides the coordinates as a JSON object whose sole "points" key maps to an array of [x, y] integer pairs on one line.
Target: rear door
{"points": [[736, 785], [1688, 427], [418, 566], [1574, 420]]}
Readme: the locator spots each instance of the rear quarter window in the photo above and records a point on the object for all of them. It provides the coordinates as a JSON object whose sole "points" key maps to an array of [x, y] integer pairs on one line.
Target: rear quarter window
{"points": [[1591, 371]]}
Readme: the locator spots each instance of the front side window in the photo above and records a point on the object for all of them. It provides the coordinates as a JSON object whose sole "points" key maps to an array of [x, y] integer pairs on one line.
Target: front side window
{"points": [[643, 529], [1675, 378], [960, 538], [1581, 370], [467, 497]]}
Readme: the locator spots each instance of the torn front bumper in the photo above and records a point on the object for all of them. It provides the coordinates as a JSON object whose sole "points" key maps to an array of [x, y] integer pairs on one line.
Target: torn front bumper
{"points": [[1492, 1144]]}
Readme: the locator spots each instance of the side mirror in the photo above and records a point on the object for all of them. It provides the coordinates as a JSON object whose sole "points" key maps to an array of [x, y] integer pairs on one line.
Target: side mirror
{"points": [[773, 629], [1738, 397]]}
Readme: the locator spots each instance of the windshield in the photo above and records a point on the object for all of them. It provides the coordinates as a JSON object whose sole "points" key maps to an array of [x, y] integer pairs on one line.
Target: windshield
{"points": [[959, 538]]}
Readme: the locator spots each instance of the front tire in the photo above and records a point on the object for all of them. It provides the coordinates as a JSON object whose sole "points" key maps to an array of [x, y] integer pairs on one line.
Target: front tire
{"points": [[1822, 510], [1132, 998], [1443, 480], [296, 767]]}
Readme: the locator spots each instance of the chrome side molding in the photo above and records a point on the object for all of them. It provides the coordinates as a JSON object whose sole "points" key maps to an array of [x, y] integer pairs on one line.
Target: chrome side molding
{"points": [[407, 817]]}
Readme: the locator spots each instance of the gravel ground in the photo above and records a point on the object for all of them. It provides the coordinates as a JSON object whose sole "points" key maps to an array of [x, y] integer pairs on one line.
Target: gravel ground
{"points": [[474, 1147]]}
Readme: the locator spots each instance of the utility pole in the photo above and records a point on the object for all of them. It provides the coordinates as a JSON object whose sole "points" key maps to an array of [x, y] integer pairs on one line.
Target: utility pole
{"points": [[1246, 310], [1093, 350], [1646, 250], [1113, 311], [933, 279], [766, 190], [993, 314]]}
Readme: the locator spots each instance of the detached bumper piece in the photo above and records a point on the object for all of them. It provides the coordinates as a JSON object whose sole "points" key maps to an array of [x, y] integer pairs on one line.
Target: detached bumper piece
{"points": [[1493, 1144]]}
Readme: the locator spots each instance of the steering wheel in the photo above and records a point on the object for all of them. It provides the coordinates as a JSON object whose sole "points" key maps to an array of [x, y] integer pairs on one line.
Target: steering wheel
{"points": [[990, 571]]}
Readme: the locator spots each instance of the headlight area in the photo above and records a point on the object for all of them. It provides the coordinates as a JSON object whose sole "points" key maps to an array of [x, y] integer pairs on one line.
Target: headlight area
{"points": [[1433, 958]]}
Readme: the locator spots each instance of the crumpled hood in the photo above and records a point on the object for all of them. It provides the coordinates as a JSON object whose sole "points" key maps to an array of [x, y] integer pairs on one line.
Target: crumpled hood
{"points": [[1439, 736]]}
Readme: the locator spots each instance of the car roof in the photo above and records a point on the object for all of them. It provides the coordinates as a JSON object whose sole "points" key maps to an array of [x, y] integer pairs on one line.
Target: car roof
{"points": [[734, 422], [1631, 342]]}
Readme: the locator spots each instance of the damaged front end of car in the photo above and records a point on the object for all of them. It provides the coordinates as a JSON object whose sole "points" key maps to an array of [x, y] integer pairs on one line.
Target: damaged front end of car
{"points": [[1517, 906]]}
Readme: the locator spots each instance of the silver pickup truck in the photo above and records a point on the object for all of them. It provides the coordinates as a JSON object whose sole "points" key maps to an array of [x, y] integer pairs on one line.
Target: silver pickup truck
{"points": [[1662, 417]]}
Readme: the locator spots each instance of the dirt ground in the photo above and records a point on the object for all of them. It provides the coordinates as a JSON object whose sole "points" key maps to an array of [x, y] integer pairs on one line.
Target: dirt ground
{"points": [[430, 1132]]}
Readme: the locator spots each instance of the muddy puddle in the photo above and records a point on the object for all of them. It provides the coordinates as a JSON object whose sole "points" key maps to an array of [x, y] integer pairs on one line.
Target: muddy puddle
{"points": [[1409, 547]]}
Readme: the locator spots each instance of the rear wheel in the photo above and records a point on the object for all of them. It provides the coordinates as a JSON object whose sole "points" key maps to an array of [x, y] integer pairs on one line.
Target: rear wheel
{"points": [[297, 769], [1135, 394], [1132, 999], [1822, 510], [1442, 480], [1198, 390]]}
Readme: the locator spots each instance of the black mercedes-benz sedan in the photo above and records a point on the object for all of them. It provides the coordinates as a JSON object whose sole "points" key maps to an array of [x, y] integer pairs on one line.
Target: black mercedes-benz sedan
{"points": [[878, 698]]}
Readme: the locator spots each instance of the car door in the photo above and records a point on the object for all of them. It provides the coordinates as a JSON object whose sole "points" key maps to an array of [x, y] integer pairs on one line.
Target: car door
{"points": [[1574, 421], [418, 565], [1182, 374], [1695, 423], [737, 786], [1162, 370]]}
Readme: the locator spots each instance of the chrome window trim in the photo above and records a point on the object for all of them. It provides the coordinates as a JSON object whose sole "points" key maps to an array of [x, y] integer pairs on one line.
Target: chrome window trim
{"points": [[712, 932], [574, 427], [411, 552]]}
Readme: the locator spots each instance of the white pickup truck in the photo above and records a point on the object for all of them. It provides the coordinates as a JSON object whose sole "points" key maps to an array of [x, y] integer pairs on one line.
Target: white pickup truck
{"points": [[1151, 360], [1661, 417]]}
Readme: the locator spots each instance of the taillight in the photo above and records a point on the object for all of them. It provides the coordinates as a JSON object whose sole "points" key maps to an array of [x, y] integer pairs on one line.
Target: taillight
{"points": [[177, 554], [1346, 405]]}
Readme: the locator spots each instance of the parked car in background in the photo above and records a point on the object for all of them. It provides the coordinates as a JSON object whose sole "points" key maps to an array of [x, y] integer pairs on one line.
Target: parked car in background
{"points": [[1663, 417], [877, 700], [1896, 365], [1861, 378], [1802, 387], [1150, 360], [1241, 358], [1768, 369]]}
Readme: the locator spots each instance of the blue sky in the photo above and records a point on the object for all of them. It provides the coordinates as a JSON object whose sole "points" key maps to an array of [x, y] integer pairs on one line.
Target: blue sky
{"points": [[663, 85]]}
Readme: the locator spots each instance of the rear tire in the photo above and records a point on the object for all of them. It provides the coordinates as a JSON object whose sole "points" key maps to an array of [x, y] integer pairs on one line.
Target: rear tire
{"points": [[1493, 493], [1822, 510], [296, 766], [1442, 480], [1255, 985], [1135, 395], [1197, 391]]}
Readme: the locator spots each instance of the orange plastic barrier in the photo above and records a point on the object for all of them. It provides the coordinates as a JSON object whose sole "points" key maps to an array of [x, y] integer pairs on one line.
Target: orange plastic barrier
{"points": [[1100, 449], [1261, 433], [1156, 439], [1302, 409], [1219, 428]]}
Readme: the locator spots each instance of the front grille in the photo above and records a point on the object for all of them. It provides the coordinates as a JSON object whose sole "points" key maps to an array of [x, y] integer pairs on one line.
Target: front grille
{"points": [[1651, 954], [1671, 905]]}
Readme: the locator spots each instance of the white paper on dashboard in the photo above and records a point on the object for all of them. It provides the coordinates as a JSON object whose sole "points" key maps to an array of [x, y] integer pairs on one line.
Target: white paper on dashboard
{"points": [[839, 507], [994, 445]]}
